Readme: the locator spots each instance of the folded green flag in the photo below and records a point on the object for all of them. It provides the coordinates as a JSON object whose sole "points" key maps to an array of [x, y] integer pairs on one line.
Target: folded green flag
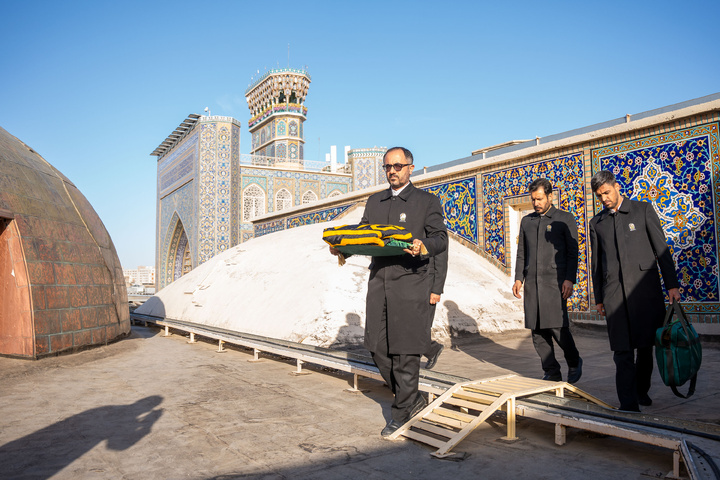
{"points": [[365, 239]]}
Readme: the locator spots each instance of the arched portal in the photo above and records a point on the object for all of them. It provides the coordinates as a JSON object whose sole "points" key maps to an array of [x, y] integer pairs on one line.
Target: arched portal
{"points": [[183, 261], [179, 253]]}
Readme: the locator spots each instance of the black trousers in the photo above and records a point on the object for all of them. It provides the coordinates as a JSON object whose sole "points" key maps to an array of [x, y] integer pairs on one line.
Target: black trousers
{"points": [[543, 341], [433, 344], [401, 373], [633, 373]]}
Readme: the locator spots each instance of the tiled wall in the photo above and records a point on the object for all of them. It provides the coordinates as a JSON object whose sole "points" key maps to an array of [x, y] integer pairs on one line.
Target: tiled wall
{"points": [[677, 172], [674, 165]]}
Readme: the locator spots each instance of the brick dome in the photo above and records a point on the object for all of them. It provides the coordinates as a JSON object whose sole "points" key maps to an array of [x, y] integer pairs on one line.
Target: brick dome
{"points": [[61, 282]]}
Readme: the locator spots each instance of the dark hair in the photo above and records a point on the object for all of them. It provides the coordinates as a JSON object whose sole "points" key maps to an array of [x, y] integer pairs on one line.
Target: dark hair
{"points": [[539, 183], [601, 178], [406, 152]]}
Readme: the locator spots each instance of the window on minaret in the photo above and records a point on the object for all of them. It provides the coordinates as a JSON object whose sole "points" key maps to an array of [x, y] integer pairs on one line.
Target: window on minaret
{"points": [[283, 200], [253, 200], [309, 197]]}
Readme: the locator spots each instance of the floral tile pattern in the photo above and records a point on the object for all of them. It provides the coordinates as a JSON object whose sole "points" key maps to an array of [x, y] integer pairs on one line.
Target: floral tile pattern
{"points": [[566, 176], [677, 172], [460, 206]]}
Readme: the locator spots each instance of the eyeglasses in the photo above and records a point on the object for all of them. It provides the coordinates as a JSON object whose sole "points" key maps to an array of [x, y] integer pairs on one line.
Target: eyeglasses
{"points": [[397, 166]]}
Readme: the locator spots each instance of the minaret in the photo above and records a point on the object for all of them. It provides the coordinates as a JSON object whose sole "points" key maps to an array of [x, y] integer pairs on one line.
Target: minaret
{"points": [[277, 112]]}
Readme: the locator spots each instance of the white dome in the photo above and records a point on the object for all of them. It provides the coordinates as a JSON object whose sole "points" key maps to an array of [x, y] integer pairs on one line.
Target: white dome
{"points": [[286, 285]]}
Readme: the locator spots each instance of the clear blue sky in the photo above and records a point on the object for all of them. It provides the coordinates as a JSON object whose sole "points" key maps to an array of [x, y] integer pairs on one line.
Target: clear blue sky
{"points": [[95, 86]]}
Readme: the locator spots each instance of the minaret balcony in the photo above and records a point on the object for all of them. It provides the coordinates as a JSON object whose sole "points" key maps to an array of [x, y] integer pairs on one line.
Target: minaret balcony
{"points": [[295, 108]]}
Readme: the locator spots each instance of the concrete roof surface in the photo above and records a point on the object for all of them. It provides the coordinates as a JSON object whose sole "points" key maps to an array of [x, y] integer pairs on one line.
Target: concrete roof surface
{"points": [[155, 407]]}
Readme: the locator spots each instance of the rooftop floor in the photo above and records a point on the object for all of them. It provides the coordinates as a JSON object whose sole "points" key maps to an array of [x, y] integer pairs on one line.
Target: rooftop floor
{"points": [[151, 407]]}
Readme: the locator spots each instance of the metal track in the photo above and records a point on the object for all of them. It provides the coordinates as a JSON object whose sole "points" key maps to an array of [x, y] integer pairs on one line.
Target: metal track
{"points": [[564, 412]]}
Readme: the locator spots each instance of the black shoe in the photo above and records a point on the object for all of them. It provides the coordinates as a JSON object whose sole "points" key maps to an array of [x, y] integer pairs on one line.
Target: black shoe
{"points": [[574, 373], [434, 358], [390, 428], [554, 377], [417, 407], [644, 400]]}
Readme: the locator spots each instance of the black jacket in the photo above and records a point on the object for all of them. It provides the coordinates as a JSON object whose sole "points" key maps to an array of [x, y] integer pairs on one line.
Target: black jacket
{"points": [[402, 284], [547, 255], [628, 285]]}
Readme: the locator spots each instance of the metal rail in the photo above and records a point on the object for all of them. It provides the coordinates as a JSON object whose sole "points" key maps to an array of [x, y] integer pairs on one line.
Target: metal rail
{"points": [[563, 412]]}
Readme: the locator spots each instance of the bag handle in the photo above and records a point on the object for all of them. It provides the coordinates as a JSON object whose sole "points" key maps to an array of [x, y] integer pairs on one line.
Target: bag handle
{"points": [[691, 390], [676, 308]]}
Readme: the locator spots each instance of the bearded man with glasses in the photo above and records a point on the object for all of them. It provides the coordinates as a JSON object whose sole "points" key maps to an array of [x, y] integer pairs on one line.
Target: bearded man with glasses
{"points": [[398, 310]]}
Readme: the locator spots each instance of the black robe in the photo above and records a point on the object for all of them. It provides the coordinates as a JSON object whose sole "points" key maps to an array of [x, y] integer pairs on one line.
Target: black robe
{"points": [[404, 281], [547, 255], [628, 284]]}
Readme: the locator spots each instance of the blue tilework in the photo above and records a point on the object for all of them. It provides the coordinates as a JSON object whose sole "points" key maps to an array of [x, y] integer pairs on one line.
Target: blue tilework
{"points": [[331, 187], [315, 217], [566, 176], [678, 173], [269, 227], [460, 206]]}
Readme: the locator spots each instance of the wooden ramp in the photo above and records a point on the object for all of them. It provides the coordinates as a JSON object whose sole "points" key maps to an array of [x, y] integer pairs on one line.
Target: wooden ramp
{"points": [[458, 411]]}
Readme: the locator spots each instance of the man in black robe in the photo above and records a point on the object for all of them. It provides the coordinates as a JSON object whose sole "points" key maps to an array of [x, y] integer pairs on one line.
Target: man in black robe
{"points": [[398, 319], [547, 259], [628, 243]]}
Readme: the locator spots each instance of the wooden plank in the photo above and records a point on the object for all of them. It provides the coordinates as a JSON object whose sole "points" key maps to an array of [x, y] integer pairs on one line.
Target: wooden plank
{"points": [[520, 382], [440, 420], [542, 389], [587, 396], [535, 382], [508, 387], [464, 403], [437, 430], [446, 412], [475, 397], [424, 438], [491, 388], [488, 380], [431, 389], [523, 392]]}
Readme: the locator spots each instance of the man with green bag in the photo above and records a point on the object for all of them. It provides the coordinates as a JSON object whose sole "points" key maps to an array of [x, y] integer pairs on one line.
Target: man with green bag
{"points": [[628, 244]]}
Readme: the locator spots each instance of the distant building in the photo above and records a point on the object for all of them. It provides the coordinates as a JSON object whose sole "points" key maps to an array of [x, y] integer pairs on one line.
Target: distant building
{"points": [[208, 193], [142, 275], [136, 290], [366, 166], [146, 275]]}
